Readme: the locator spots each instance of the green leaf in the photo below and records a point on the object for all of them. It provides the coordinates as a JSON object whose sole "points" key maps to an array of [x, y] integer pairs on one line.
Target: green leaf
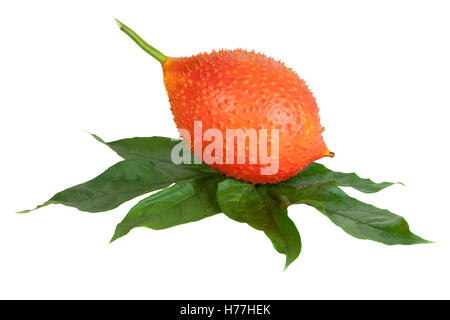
{"points": [[156, 149], [178, 204], [317, 173], [358, 219], [149, 148], [243, 202], [122, 182]]}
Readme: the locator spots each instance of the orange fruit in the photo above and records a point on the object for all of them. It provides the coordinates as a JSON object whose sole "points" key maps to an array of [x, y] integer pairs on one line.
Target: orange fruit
{"points": [[236, 89]]}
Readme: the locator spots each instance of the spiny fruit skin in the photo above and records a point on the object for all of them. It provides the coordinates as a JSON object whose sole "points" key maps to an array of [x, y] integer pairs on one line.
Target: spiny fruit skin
{"points": [[236, 89]]}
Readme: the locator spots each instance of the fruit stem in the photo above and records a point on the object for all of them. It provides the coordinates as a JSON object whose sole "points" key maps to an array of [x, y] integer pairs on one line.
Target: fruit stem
{"points": [[329, 154], [141, 43]]}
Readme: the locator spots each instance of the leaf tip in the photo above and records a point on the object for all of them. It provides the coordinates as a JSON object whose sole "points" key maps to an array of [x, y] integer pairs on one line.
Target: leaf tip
{"points": [[96, 137], [415, 239], [37, 207], [117, 235], [24, 211], [114, 238], [424, 241], [288, 263]]}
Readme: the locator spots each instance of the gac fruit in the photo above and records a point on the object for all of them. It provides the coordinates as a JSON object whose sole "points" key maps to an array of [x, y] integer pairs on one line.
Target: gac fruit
{"points": [[237, 89]]}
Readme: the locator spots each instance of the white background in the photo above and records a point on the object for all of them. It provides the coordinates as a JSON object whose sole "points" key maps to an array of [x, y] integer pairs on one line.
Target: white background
{"points": [[380, 73]]}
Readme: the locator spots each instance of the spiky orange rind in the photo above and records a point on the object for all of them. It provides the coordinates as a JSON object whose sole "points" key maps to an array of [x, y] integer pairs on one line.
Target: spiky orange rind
{"points": [[237, 89]]}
